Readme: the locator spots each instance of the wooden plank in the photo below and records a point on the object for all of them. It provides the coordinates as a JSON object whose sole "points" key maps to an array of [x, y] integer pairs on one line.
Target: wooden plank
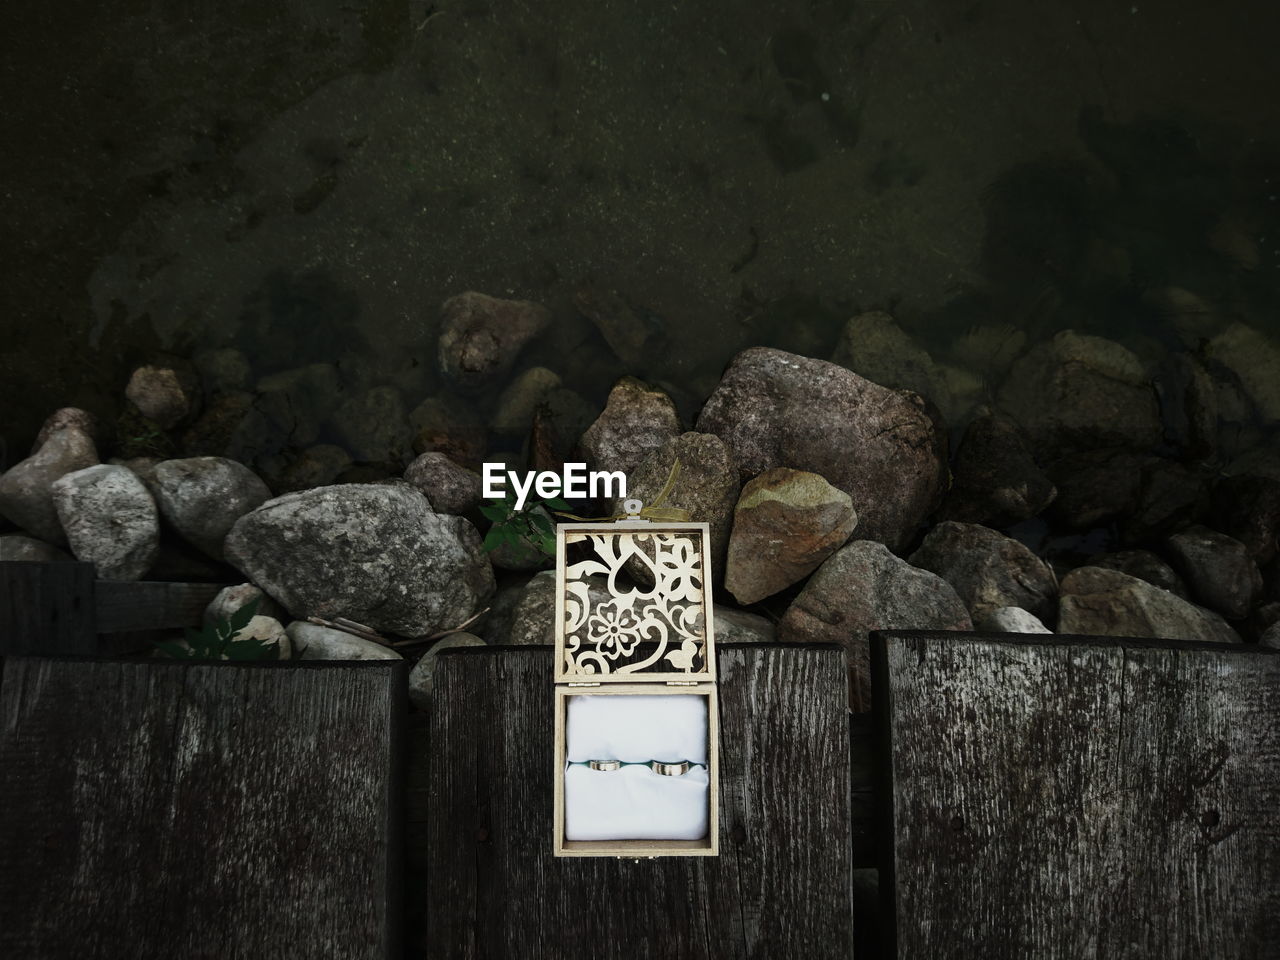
{"points": [[781, 886], [161, 810], [123, 606], [1081, 797], [47, 609]]}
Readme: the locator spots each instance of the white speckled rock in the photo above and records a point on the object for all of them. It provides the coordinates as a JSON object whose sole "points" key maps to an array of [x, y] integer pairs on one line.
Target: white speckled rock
{"points": [[202, 497], [314, 642], [1008, 620], [231, 599], [637, 419], [110, 519], [449, 487]]}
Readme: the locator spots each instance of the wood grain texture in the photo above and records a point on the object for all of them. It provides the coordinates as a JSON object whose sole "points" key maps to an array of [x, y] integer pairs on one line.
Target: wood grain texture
{"points": [[150, 605], [1080, 797], [195, 810], [780, 887], [47, 609]]}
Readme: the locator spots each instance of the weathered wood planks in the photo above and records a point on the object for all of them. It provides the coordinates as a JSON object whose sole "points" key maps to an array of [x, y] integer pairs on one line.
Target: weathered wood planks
{"points": [[197, 810], [60, 609], [780, 887], [1079, 797]]}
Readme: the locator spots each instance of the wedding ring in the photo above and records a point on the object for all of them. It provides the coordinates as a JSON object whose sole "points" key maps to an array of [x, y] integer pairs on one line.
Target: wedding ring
{"points": [[670, 769], [604, 764]]}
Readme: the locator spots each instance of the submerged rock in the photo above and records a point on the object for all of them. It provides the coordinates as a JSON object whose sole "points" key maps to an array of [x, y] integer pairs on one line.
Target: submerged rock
{"points": [[785, 524], [1219, 570], [165, 393], [481, 336], [1098, 602], [373, 553], [637, 419], [202, 497], [996, 481], [314, 642], [624, 331], [861, 588], [18, 546], [372, 425], [1255, 359], [110, 519], [315, 467], [883, 447], [292, 404], [520, 400], [875, 347], [449, 487], [987, 569], [25, 494], [445, 425], [1078, 392], [1247, 508], [423, 675]]}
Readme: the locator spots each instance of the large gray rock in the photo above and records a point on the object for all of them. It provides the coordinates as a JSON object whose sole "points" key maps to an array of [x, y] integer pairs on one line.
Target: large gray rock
{"points": [[110, 519], [18, 546], [1079, 392], [1008, 620], [481, 336], [423, 675], [732, 625], [25, 496], [449, 487], [785, 523], [1100, 602], [165, 393], [533, 620], [637, 419], [314, 642], [861, 588], [987, 568], [1219, 570], [995, 479], [202, 497], [707, 486], [882, 447], [374, 553]]}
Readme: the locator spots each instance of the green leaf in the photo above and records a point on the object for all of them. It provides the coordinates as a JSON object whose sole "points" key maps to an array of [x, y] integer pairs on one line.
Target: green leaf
{"points": [[542, 523], [495, 510], [240, 619], [493, 539], [557, 503]]}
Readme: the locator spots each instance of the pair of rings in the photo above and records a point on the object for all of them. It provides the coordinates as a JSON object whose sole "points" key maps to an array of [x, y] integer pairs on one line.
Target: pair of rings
{"points": [[678, 769]]}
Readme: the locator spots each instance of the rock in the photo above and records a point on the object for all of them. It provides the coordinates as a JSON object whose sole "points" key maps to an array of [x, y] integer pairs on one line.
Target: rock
{"points": [[1259, 462], [449, 487], [1219, 570], [707, 486], [1255, 359], [25, 496], [1193, 318], [1097, 602], [995, 479], [1078, 392], [637, 419], [165, 393], [110, 520], [202, 497], [82, 420], [785, 524], [965, 392], [481, 337], [1170, 494], [143, 467], [229, 427], [863, 587], [622, 329], [447, 426], [374, 553], [314, 642], [231, 599], [1144, 565], [732, 625], [17, 546], [292, 404], [1008, 620], [1271, 637], [875, 347], [1189, 403], [373, 426], [495, 626], [989, 349], [1247, 508], [533, 620], [525, 554], [558, 423], [422, 676], [882, 447], [1095, 487], [521, 398], [986, 568], [316, 466], [224, 370]]}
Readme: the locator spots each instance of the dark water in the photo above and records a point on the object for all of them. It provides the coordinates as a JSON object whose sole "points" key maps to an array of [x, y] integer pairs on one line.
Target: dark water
{"points": [[307, 182]]}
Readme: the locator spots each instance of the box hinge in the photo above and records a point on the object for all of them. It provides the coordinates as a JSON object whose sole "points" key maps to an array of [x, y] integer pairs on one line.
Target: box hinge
{"points": [[578, 684], [682, 683]]}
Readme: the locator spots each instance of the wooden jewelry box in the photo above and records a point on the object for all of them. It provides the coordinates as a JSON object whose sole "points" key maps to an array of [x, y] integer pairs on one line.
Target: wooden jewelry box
{"points": [[634, 618]]}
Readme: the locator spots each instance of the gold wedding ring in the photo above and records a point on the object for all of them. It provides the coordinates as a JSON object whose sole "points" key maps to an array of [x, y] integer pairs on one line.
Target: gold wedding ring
{"points": [[670, 769], [604, 764]]}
